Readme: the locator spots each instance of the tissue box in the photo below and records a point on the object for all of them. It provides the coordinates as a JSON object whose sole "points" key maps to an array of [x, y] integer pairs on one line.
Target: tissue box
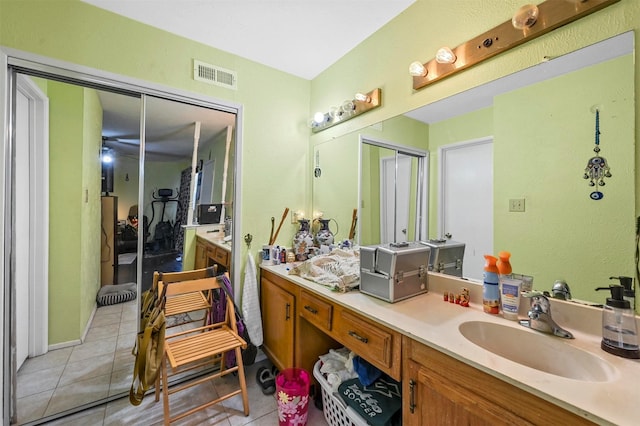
{"points": [[394, 273], [446, 256]]}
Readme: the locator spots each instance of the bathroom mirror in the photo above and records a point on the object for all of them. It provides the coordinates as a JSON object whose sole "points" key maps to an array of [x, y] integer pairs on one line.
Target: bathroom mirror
{"points": [[542, 121]]}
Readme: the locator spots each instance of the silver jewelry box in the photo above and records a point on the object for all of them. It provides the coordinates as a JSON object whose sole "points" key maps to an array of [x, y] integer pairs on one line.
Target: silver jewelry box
{"points": [[394, 272], [446, 256]]}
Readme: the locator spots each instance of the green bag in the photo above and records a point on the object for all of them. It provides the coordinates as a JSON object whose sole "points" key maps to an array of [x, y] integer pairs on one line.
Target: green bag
{"points": [[149, 353]]}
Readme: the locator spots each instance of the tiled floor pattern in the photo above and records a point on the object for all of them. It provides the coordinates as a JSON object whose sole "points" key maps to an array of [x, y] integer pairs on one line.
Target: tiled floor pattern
{"points": [[103, 366]]}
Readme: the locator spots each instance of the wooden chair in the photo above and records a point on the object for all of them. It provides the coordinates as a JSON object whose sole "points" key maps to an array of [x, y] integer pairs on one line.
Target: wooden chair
{"points": [[185, 303], [201, 347]]}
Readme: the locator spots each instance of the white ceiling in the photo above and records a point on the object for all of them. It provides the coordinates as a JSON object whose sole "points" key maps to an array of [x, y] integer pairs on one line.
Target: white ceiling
{"points": [[300, 37]]}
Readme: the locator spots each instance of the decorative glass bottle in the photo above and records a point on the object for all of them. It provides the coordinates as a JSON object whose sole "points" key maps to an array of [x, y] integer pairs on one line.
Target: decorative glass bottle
{"points": [[302, 241]]}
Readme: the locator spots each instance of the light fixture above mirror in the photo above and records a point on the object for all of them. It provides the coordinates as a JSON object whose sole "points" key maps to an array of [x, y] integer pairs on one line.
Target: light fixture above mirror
{"points": [[361, 103], [527, 23]]}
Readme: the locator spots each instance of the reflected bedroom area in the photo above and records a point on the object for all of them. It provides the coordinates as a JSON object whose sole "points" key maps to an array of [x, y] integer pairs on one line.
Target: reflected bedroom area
{"points": [[121, 180]]}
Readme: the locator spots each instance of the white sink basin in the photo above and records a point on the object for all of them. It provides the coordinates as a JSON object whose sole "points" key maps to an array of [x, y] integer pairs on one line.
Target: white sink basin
{"points": [[539, 351]]}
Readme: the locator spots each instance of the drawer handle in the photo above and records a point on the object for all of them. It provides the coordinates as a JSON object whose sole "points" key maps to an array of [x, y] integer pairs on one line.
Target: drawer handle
{"points": [[357, 336], [310, 309], [412, 396], [288, 315]]}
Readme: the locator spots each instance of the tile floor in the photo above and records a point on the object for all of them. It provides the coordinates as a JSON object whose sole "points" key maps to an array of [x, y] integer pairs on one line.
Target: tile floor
{"points": [[103, 366]]}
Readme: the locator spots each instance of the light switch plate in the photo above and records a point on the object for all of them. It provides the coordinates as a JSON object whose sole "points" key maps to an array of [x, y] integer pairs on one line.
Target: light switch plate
{"points": [[516, 205]]}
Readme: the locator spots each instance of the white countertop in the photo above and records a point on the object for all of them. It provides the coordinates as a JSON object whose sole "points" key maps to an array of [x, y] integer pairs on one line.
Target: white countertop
{"points": [[429, 320], [217, 241]]}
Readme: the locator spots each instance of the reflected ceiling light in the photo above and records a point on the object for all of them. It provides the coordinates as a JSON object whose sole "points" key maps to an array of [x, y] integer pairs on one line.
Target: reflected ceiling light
{"points": [[417, 69], [107, 155], [348, 109], [525, 17], [444, 55], [362, 97], [319, 117]]}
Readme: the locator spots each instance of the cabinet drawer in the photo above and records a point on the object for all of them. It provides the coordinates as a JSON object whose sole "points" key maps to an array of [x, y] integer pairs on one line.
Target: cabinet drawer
{"points": [[316, 311], [221, 256], [378, 345]]}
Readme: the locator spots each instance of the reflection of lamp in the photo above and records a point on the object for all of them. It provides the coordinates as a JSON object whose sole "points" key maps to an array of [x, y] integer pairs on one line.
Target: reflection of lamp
{"points": [[319, 117], [362, 97], [348, 107], [444, 55], [361, 103], [107, 155]]}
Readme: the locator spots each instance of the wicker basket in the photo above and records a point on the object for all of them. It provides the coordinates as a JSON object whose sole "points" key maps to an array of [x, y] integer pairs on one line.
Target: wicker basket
{"points": [[335, 411]]}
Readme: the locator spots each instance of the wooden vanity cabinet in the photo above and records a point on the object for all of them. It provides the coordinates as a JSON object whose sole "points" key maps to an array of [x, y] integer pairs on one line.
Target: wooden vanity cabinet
{"points": [[300, 325], [208, 254], [438, 389], [278, 307], [372, 341]]}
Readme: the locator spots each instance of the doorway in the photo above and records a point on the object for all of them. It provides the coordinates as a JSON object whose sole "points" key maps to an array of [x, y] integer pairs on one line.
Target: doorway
{"points": [[466, 200], [395, 183]]}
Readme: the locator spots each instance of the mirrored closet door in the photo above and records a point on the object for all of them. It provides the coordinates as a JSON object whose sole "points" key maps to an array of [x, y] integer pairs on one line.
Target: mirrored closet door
{"points": [[103, 179]]}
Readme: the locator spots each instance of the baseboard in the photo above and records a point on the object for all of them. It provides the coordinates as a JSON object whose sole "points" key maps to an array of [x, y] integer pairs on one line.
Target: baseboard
{"points": [[76, 342], [65, 344]]}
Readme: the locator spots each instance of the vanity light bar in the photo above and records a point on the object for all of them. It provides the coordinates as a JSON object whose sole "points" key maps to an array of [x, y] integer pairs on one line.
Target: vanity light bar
{"points": [[349, 109], [552, 14]]}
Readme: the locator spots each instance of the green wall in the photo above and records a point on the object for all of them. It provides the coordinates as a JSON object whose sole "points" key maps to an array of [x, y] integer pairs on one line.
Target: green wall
{"points": [[541, 149], [74, 209]]}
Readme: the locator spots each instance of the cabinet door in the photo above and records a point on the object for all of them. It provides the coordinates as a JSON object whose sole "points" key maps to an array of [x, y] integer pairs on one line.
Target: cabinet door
{"points": [[201, 257], [440, 390], [278, 316], [432, 399]]}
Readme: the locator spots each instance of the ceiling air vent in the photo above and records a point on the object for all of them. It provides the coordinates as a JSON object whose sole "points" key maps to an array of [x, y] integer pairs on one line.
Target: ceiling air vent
{"points": [[213, 74]]}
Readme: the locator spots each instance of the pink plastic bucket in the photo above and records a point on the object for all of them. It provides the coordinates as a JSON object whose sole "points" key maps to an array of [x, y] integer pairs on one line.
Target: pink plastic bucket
{"points": [[292, 393]]}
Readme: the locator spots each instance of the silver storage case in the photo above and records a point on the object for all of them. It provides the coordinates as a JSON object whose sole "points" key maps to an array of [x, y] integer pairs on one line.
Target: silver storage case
{"points": [[446, 256], [399, 272], [368, 258]]}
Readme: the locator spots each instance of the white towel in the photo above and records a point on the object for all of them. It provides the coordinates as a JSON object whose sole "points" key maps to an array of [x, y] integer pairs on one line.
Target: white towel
{"points": [[251, 303]]}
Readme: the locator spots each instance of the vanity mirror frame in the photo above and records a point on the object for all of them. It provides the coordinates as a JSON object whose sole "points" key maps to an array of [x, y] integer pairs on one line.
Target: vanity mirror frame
{"points": [[14, 62]]}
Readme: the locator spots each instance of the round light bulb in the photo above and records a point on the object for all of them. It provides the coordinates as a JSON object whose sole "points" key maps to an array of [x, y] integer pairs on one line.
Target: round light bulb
{"points": [[348, 107], [416, 69], [525, 17], [444, 55], [318, 117], [362, 97]]}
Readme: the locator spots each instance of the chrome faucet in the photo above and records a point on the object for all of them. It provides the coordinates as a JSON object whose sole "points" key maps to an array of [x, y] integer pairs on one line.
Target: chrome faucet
{"points": [[540, 316]]}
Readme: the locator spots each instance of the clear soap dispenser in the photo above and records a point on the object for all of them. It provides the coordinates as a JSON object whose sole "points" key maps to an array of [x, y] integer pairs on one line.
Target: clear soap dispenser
{"points": [[619, 331]]}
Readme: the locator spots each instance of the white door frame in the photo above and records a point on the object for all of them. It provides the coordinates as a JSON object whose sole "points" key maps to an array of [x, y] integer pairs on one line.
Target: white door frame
{"points": [[37, 163]]}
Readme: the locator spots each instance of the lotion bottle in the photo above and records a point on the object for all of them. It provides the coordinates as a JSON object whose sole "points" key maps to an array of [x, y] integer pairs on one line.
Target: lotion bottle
{"points": [[509, 287]]}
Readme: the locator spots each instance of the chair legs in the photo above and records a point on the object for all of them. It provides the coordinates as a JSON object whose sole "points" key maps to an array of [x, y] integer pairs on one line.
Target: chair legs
{"points": [[162, 380], [243, 383]]}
